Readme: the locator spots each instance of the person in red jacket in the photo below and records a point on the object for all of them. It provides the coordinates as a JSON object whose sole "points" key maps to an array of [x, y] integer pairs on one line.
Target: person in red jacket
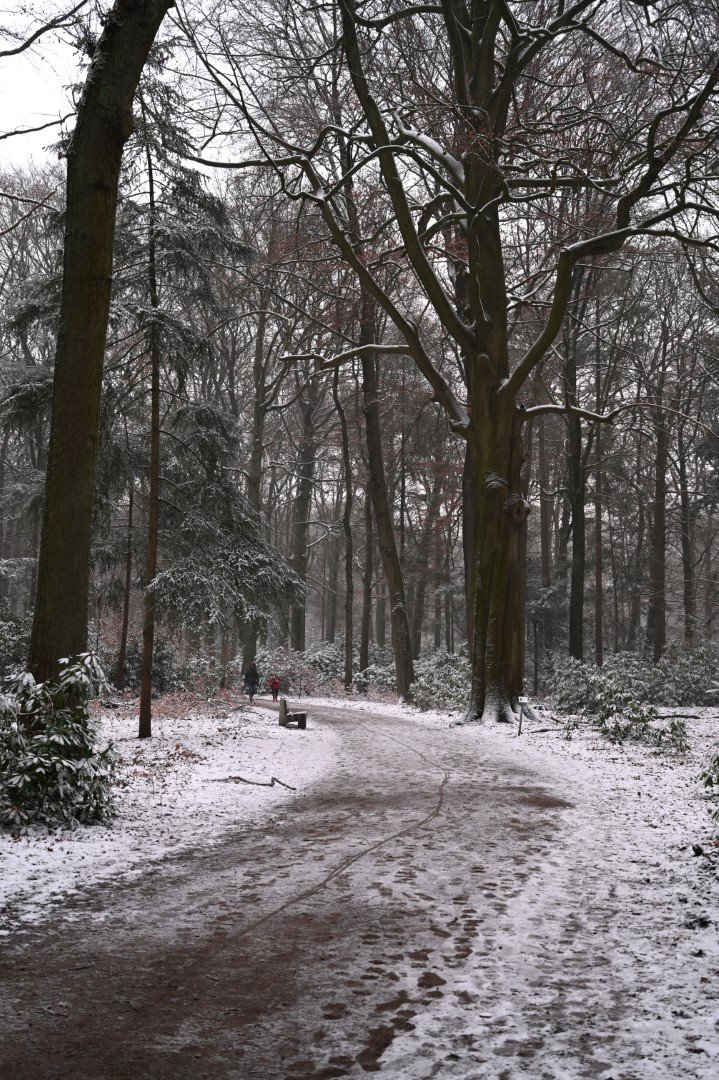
{"points": [[274, 684]]}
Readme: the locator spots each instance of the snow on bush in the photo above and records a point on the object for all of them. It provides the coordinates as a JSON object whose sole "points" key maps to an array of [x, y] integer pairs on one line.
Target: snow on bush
{"points": [[621, 698], [51, 772], [442, 682]]}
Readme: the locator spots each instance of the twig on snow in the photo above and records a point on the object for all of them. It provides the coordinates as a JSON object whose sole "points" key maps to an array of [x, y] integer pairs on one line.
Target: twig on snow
{"points": [[255, 783]]}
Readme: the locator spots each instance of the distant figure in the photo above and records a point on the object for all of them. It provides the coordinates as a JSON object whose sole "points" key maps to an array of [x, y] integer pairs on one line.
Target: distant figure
{"points": [[251, 680], [274, 685]]}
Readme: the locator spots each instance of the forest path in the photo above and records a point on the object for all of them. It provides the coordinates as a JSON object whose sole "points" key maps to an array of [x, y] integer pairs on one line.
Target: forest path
{"points": [[429, 909]]}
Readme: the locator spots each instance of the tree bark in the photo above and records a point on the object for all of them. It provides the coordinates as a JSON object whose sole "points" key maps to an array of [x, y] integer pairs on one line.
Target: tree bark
{"points": [[307, 453], [686, 526], [347, 530], [153, 506], [657, 615], [423, 557], [366, 620], [399, 622], [122, 650], [104, 122], [501, 513]]}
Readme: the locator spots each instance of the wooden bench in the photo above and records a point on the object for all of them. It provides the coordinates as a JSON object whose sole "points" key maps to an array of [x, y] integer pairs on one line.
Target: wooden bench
{"points": [[290, 719]]}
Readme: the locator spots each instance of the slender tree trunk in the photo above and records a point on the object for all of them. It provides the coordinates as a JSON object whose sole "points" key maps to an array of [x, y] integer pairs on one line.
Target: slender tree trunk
{"points": [[122, 651], [448, 603], [366, 620], [347, 530], [545, 532], [598, 558], [686, 525], [153, 506], [104, 122], [333, 550], [257, 444], [578, 572], [3, 455], [300, 518], [657, 617], [401, 640], [423, 557]]}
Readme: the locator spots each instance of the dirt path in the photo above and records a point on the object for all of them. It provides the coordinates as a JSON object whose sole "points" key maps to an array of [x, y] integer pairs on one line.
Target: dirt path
{"points": [[418, 915]]}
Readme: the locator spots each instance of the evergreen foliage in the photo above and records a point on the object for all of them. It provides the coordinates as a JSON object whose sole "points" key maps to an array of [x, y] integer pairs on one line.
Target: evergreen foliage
{"points": [[51, 770]]}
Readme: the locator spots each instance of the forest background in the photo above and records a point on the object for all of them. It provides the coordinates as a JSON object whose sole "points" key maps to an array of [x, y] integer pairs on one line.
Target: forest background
{"points": [[232, 308]]}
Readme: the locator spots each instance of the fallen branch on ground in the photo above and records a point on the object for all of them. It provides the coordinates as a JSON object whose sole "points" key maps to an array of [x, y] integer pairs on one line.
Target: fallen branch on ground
{"points": [[255, 783]]}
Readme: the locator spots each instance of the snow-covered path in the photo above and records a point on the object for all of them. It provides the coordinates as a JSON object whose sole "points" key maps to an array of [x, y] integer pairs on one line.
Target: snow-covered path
{"points": [[442, 904]]}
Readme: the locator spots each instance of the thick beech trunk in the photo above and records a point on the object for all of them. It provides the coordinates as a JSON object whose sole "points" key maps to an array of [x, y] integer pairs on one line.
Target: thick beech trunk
{"points": [[500, 515], [104, 122], [401, 641]]}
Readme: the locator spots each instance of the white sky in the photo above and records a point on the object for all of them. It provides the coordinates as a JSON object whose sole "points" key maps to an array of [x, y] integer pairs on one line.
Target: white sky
{"points": [[32, 90]]}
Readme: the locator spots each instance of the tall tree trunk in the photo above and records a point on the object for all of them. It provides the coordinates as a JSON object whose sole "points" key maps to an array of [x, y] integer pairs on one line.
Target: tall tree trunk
{"points": [[422, 564], [104, 122], [399, 622], [3, 455], [657, 616], [545, 531], [366, 620], [578, 571], [686, 525], [306, 457], [347, 530], [501, 512], [257, 444], [153, 505], [333, 550], [122, 650], [598, 557]]}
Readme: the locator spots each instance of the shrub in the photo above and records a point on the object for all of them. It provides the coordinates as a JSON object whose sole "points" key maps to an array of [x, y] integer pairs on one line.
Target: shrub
{"points": [[51, 772], [165, 673], [14, 638], [709, 779], [443, 681], [621, 697]]}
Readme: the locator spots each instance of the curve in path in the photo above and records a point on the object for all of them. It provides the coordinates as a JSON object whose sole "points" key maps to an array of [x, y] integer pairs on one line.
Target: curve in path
{"points": [[390, 920]]}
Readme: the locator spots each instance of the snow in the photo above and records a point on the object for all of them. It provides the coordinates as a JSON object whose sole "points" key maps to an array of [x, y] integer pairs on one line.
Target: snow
{"points": [[169, 798], [590, 945]]}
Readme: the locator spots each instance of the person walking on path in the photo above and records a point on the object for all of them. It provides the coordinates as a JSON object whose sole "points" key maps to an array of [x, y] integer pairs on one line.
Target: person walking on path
{"points": [[251, 680], [274, 684]]}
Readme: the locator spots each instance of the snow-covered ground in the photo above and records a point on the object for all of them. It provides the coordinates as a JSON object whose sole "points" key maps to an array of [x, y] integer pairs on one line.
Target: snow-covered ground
{"points": [[586, 945], [170, 798]]}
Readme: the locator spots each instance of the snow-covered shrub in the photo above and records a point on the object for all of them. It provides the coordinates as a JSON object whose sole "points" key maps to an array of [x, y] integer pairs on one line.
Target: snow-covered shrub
{"points": [[165, 673], [14, 638], [51, 771], [709, 779], [443, 681], [620, 699], [680, 678]]}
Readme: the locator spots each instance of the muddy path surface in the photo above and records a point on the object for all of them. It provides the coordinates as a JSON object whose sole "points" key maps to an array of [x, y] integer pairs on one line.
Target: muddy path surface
{"points": [[409, 916]]}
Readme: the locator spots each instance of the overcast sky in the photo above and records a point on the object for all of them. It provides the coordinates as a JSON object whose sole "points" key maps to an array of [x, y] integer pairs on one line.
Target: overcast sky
{"points": [[32, 87]]}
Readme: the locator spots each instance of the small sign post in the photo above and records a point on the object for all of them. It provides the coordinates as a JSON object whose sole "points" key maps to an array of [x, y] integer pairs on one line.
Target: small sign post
{"points": [[522, 702]]}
